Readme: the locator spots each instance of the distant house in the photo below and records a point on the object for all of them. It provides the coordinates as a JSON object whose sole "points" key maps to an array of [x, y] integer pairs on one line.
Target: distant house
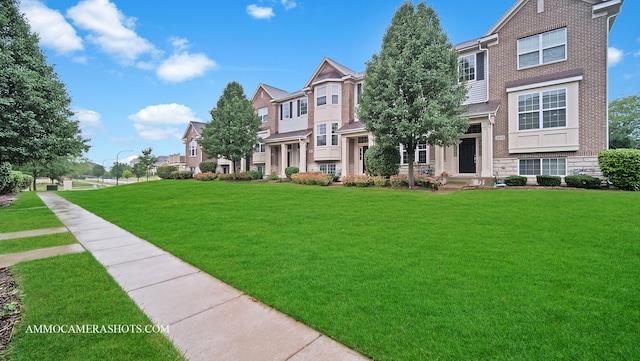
{"points": [[194, 153]]}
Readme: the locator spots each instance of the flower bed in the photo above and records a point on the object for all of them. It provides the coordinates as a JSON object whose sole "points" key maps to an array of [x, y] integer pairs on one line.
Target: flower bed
{"points": [[312, 178]]}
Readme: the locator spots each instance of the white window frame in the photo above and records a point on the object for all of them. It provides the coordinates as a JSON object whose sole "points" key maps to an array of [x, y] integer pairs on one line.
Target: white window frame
{"points": [[546, 166], [540, 109], [304, 107], [335, 94], [286, 111], [328, 168], [327, 133], [193, 148], [321, 95], [260, 148], [470, 74], [540, 48], [321, 135], [421, 148], [263, 113]]}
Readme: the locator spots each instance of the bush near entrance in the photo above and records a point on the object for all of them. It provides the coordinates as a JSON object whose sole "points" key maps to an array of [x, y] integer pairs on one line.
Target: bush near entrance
{"points": [[622, 167]]}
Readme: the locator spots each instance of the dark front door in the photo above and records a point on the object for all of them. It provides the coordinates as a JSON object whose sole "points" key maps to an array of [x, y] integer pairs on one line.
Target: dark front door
{"points": [[364, 166], [467, 155]]}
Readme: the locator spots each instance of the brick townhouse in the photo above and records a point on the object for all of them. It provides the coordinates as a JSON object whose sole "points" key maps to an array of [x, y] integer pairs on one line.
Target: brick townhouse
{"points": [[537, 102]]}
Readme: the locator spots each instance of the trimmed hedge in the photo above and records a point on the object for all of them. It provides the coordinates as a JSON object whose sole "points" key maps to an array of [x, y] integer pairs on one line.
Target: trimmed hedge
{"points": [[13, 181], [164, 172], [582, 181], [208, 176], [240, 176], [622, 167], [382, 160], [290, 171], [256, 174], [548, 180], [312, 178], [427, 181], [515, 180], [208, 167], [400, 180], [182, 174]]}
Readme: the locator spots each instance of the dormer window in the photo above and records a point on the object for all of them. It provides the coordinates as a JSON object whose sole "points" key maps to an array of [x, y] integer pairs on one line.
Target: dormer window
{"points": [[543, 48]]}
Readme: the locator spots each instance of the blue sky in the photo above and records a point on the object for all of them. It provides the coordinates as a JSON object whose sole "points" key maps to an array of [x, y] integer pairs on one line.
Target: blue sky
{"points": [[139, 71]]}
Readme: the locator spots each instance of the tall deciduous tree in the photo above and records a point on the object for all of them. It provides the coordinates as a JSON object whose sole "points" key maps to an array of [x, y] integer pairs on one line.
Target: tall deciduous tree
{"points": [[624, 122], [233, 130], [147, 159], [411, 93], [35, 119]]}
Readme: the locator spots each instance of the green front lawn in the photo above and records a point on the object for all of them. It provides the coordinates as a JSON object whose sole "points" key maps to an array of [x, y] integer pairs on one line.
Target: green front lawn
{"points": [[37, 242], [72, 291], [411, 275], [26, 213]]}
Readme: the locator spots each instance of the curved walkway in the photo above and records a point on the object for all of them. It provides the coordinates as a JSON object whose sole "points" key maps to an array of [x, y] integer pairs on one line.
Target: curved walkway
{"points": [[207, 319]]}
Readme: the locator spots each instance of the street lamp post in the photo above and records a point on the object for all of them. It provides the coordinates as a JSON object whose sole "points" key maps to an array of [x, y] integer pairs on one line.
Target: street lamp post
{"points": [[117, 155], [104, 169]]}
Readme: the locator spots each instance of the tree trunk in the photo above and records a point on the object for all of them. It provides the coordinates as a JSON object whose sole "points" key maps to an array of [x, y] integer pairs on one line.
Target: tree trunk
{"points": [[411, 155], [234, 169]]}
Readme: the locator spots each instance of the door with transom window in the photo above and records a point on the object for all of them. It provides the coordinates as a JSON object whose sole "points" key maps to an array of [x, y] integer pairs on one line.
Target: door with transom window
{"points": [[467, 155]]}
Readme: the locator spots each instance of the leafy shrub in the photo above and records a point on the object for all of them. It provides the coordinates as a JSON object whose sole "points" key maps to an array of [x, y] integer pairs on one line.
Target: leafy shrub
{"points": [[208, 176], [582, 181], [256, 174], [240, 176], [427, 181], [208, 167], [349, 181], [622, 167], [363, 181], [5, 174], [399, 180], [380, 181], [382, 159], [335, 176], [291, 170], [548, 180], [515, 180], [165, 171], [15, 182], [182, 174], [273, 176], [312, 178]]}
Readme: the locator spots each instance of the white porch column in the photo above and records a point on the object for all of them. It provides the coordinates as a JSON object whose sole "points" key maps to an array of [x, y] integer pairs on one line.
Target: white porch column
{"points": [[267, 162], [344, 157], [439, 166], [283, 160], [487, 150], [303, 155]]}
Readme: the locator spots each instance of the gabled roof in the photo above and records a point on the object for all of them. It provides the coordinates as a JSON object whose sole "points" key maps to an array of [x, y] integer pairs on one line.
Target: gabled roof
{"points": [[197, 126], [613, 5], [338, 71]]}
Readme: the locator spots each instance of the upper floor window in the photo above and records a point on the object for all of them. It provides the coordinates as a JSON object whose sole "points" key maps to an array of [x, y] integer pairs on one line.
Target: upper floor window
{"points": [[263, 114], [285, 111], [467, 68], [542, 48], [260, 148], [321, 95], [542, 110], [193, 148], [302, 107], [358, 88], [335, 94], [323, 138]]}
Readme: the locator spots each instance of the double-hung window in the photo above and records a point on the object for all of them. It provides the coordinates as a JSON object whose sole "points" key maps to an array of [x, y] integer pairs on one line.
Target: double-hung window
{"points": [[328, 168], [260, 148], [263, 114], [335, 94], [327, 134], [285, 111], [543, 48], [321, 96], [467, 68], [542, 110], [302, 107], [193, 148]]}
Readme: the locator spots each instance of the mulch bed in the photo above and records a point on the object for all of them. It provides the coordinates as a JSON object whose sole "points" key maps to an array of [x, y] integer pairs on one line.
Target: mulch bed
{"points": [[11, 306]]}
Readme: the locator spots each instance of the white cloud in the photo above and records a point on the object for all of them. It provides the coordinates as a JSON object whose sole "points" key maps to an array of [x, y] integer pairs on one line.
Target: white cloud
{"points": [[87, 118], [111, 30], [54, 31], [179, 43], [184, 66], [614, 56], [637, 54], [259, 12], [158, 122], [288, 4]]}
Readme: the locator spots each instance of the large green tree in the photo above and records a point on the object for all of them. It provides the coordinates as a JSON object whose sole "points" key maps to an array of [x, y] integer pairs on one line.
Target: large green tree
{"points": [[35, 119], [411, 93], [233, 130], [146, 160], [624, 122]]}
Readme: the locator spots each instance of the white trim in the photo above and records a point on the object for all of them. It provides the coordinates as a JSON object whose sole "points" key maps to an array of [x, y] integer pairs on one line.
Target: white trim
{"points": [[546, 83]]}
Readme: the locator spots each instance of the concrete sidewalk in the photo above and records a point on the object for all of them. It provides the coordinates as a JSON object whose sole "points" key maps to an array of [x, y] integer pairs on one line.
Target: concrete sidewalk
{"points": [[208, 320]]}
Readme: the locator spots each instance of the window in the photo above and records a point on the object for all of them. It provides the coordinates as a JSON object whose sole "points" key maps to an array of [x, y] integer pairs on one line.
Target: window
{"points": [[260, 148], [552, 112], [420, 155], [542, 48], [302, 107], [358, 93], [328, 168], [193, 148], [263, 113], [321, 96], [285, 111], [260, 168], [321, 136], [335, 97], [467, 68], [363, 139], [546, 166]]}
